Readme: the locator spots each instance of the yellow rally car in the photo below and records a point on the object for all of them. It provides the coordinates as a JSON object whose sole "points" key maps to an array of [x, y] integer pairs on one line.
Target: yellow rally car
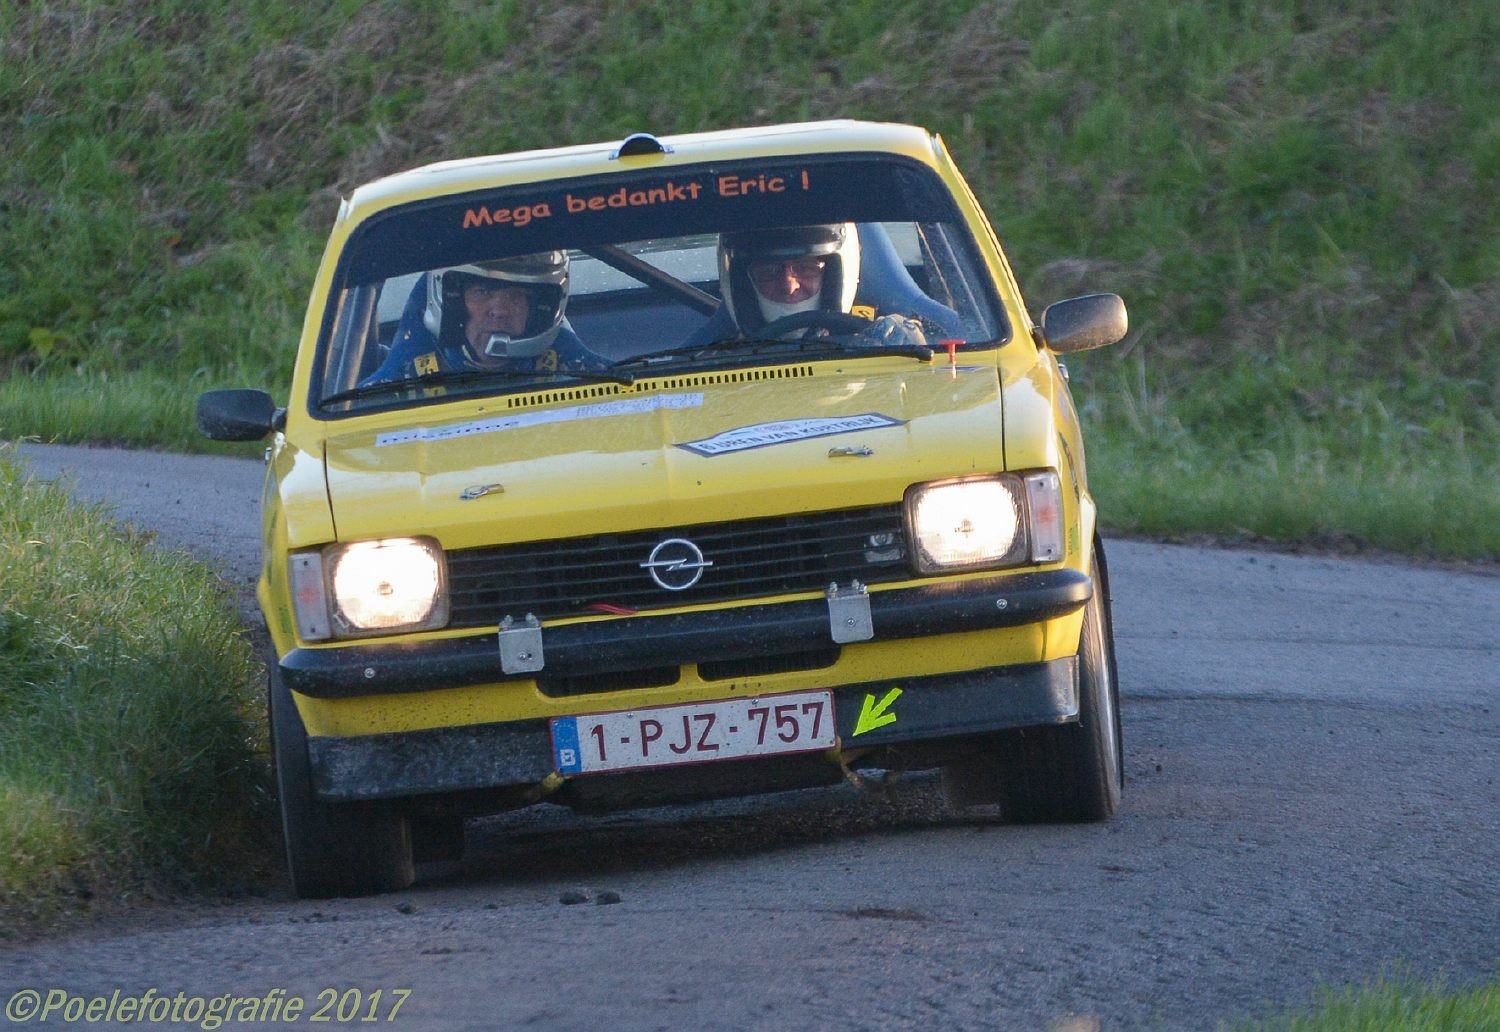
{"points": [[667, 469]]}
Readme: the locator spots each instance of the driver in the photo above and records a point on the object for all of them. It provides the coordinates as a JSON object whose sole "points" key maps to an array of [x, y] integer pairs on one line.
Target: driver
{"points": [[771, 274], [502, 314]]}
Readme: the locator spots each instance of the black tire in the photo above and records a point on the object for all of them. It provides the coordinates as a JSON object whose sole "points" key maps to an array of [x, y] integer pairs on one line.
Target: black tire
{"points": [[1065, 772], [342, 849]]}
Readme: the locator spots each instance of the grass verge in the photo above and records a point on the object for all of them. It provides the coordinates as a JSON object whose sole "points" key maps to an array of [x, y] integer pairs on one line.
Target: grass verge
{"points": [[1346, 500], [1272, 450], [1393, 1006], [136, 408], [127, 744]]}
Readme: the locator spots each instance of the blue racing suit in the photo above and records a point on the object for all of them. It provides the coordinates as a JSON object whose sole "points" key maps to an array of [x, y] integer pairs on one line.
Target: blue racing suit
{"points": [[415, 351]]}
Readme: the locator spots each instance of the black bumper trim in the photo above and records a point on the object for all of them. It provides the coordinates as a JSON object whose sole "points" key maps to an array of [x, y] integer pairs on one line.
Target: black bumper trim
{"points": [[680, 639], [519, 754]]}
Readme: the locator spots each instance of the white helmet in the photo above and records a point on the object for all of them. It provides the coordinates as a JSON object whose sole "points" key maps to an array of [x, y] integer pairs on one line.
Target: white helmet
{"points": [[544, 275], [838, 243]]}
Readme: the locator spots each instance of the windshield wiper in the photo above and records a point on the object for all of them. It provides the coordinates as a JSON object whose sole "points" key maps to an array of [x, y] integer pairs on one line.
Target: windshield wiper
{"points": [[686, 349], [861, 349], [407, 383], [838, 345]]}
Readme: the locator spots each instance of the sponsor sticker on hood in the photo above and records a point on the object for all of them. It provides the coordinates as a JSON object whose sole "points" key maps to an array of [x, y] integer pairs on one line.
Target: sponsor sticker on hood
{"points": [[761, 435], [573, 413]]}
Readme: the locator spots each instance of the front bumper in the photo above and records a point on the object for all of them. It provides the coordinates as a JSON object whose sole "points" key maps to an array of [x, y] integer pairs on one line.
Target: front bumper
{"points": [[519, 753], [680, 639]]}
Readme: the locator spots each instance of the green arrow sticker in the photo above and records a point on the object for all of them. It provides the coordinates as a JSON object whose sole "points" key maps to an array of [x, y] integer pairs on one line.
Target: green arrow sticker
{"points": [[873, 715]]}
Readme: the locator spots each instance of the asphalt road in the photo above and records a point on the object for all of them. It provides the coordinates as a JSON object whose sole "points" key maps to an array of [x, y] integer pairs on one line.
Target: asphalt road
{"points": [[1312, 754]]}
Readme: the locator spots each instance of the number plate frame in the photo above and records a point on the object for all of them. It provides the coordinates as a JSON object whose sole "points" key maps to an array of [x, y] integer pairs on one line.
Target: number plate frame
{"points": [[650, 737]]}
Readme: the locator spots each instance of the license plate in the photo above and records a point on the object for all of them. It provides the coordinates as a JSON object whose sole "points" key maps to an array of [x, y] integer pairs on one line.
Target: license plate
{"points": [[661, 736]]}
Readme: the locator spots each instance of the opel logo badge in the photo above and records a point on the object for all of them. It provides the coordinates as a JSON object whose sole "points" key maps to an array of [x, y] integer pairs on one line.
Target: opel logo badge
{"points": [[676, 564]]}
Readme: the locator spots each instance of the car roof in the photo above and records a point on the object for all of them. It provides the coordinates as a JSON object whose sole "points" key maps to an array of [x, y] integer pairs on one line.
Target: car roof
{"points": [[446, 178]]}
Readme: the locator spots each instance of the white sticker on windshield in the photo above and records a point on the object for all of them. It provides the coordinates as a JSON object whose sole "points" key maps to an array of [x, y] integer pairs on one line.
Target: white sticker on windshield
{"points": [[784, 431], [573, 413]]}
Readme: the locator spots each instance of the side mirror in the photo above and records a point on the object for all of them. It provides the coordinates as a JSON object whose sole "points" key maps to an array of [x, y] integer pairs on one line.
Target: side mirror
{"points": [[1081, 323], [238, 415]]}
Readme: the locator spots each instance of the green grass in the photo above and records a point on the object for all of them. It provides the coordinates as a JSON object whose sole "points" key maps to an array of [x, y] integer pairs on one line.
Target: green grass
{"points": [[1388, 1006], [141, 408], [1264, 458], [127, 713], [1296, 200]]}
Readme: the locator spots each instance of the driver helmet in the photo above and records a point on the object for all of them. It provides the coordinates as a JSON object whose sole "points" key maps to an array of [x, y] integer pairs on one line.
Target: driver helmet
{"points": [[544, 275], [836, 244]]}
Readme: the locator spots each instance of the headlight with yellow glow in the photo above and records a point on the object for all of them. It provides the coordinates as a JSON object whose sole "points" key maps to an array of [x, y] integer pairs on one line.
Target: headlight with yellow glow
{"points": [[367, 588], [981, 522]]}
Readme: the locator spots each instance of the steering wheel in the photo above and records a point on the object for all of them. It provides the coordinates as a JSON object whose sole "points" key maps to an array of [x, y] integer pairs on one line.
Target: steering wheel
{"points": [[840, 324]]}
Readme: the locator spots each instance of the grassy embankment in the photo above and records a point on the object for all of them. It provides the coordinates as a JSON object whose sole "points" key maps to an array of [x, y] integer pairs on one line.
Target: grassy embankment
{"points": [[127, 714], [1297, 200]]}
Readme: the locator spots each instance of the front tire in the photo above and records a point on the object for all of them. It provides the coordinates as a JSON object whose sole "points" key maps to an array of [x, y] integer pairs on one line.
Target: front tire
{"points": [[332, 849], [1064, 772]]}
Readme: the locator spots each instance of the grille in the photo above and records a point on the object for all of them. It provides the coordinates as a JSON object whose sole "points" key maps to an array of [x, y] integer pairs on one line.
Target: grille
{"points": [[754, 666], [751, 559], [608, 681]]}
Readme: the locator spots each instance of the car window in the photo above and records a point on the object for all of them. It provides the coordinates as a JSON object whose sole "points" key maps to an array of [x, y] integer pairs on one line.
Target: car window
{"points": [[629, 272]]}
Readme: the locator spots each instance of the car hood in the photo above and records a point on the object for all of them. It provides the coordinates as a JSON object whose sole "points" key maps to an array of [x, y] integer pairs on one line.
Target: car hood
{"points": [[664, 454]]}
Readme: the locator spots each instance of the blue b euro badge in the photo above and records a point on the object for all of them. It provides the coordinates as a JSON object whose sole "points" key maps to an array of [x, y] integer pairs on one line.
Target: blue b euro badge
{"points": [[565, 745]]}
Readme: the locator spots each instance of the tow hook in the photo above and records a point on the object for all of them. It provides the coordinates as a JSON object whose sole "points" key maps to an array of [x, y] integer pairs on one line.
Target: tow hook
{"points": [[884, 786], [551, 783]]}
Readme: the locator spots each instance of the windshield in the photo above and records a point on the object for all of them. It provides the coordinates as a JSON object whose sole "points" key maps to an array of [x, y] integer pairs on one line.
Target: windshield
{"points": [[649, 274]]}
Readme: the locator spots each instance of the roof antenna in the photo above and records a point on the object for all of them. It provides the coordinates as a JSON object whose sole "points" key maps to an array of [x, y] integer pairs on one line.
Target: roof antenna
{"points": [[639, 144]]}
